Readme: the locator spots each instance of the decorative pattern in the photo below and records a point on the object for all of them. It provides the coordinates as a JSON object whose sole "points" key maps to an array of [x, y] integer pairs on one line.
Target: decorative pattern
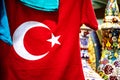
{"points": [[112, 8], [109, 68], [88, 52], [110, 58], [84, 37]]}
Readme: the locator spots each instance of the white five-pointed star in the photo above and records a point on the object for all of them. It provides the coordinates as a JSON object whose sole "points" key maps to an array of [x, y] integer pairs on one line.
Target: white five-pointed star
{"points": [[54, 40]]}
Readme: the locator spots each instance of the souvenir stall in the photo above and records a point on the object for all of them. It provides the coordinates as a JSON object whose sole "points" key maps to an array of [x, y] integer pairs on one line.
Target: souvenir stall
{"points": [[109, 65], [89, 45]]}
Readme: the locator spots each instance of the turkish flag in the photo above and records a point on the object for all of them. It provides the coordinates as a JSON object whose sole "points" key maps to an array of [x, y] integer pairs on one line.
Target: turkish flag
{"points": [[45, 44]]}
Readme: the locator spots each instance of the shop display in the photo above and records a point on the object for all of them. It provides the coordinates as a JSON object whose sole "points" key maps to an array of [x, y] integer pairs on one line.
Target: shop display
{"points": [[88, 53], [109, 66]]}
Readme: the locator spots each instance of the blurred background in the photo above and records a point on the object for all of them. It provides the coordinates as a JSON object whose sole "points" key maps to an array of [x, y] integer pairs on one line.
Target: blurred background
{"points": [[99, 6]]}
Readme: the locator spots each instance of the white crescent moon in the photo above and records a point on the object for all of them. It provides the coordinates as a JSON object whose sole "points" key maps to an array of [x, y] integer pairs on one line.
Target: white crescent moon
{"points": [[18, 37]]}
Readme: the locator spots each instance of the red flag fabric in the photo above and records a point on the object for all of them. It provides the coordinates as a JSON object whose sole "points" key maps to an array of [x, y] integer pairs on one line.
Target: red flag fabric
{"points": [[45, 44]]}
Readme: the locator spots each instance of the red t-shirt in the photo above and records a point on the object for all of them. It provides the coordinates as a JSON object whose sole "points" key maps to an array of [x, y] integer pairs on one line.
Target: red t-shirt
{"points": [[45, 44]]}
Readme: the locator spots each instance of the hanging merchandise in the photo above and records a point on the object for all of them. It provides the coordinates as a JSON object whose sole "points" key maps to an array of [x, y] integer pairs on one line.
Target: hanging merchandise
{"points": [[109, 67], [84, 38]]}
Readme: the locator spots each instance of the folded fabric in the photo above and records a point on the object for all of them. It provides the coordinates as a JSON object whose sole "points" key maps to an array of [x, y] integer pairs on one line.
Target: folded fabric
{"points": [[45, 5], [4, 27]]}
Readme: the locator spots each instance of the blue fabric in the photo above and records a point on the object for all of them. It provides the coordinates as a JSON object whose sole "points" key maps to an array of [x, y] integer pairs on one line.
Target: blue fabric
{"points": [[45, 5], [4, 27]]}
